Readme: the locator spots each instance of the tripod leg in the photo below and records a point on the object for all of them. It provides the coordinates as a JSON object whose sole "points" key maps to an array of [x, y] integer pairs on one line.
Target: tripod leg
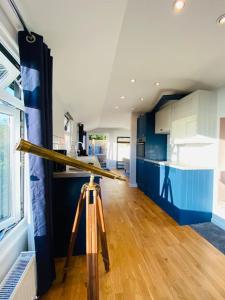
{"points": [[74, 233], [101, 222], [92, 247]]}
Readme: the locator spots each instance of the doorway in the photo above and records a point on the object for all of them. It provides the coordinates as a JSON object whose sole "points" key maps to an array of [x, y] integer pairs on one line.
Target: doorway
{"points": [[97, 146], [123, 152]]}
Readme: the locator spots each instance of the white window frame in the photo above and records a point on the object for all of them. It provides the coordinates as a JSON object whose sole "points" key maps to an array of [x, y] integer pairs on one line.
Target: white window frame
{"points": [[13, 108], [15, 189], [12, 100]]}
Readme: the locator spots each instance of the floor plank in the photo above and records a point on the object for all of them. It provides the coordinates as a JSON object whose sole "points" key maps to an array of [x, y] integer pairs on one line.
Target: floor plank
{"points": [[151, 256]]}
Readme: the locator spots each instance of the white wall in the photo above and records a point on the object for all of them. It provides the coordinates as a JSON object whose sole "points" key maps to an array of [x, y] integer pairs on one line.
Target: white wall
{"points": [[59, 140], [221, 102], [59, 110], [218, 212], [11, 246], [112, 134], [220, 114]]}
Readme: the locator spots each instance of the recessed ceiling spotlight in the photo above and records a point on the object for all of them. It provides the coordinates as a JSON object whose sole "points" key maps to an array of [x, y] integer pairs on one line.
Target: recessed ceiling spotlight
{"points": [[157, 83], [116, 107], [221, 20], [122, 97], [133, 80], [142, 99], [179, 5]]}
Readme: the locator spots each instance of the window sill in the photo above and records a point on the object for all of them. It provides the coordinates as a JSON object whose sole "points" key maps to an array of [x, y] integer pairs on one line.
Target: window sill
{"points": [[10, 247]]}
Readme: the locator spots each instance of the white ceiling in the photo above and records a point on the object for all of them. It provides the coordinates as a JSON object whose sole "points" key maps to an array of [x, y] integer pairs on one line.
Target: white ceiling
{"points": [[99, 45]]}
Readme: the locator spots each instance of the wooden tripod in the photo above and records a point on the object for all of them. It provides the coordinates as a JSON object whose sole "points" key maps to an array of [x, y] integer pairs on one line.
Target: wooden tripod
{"points": [[91, 194]]}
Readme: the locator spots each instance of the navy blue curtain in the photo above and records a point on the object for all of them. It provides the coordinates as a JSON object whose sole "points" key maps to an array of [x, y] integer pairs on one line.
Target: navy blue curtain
{"points": [[36, 72]]}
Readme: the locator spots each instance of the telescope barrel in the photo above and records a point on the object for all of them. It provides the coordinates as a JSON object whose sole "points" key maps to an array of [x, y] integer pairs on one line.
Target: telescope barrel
{"points": [[28, 147]]}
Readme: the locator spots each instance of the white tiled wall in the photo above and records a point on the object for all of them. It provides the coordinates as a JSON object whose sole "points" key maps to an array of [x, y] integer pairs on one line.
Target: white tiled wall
{"points": [[68, 142], [202, 155], [58, 143]]}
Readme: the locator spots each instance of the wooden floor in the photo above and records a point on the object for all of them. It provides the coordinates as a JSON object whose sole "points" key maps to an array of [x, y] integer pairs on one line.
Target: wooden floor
{"points": [[151, 256]]}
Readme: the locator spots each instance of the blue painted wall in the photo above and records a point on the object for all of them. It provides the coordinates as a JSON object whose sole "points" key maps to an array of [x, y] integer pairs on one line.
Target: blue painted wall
{"points": [[156, 144]]}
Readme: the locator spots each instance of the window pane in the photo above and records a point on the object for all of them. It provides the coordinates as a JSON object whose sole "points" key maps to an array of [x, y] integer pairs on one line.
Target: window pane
{"points": [[14, 89], [4, 166]]}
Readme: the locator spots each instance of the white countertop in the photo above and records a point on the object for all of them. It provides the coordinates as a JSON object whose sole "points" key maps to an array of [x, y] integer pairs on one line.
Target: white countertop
{"points": [[180, 166], [74, 172], [90, 159], [71, 174]]}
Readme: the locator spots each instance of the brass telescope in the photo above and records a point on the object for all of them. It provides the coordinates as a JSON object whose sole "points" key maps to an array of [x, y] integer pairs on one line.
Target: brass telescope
{"points": [[95, 224], [28, 147]]}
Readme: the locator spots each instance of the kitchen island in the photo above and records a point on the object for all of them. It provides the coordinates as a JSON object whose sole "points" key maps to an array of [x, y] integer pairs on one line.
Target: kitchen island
{"points": [[184, 192], [66, 191]]}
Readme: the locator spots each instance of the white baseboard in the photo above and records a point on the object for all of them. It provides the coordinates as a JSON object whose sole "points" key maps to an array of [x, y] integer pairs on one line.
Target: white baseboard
{"points": [[133, 185], [219, 221]]}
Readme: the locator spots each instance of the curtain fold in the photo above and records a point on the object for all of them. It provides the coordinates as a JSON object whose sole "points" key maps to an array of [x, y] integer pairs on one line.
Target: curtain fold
{"points": [[36, 72]]}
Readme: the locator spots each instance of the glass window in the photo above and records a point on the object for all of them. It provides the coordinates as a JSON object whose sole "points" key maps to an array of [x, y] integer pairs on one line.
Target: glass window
{"points": [[4, 166], [15, 89], [11, 169]]}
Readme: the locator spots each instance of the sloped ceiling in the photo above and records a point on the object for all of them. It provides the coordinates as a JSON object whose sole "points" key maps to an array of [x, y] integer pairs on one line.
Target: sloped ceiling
{"points": [[99, 45]]}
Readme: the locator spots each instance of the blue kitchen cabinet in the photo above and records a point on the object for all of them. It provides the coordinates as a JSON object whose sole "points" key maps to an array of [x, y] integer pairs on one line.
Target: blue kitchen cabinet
{"points": [[140, 174], [152, 183], [186, 195], [155, 149], [192, 194]]}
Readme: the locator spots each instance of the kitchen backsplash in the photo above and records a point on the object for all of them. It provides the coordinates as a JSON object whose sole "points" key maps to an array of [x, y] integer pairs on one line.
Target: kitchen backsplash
{"points": [[58, 143], [202, 155]]}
